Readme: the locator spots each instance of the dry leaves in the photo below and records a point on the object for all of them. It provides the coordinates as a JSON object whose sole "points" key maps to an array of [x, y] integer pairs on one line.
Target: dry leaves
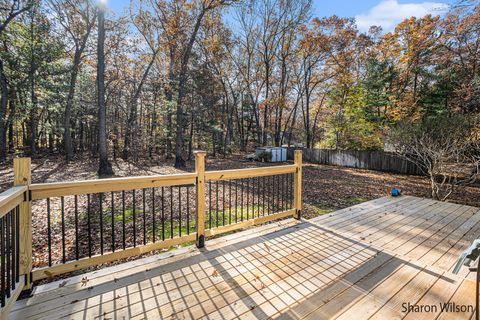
{"points": [[84, 281]]}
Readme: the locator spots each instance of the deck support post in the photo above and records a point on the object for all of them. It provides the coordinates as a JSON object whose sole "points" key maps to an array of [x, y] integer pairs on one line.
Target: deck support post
{"points": [[297, 185], [200, 197], [22, 177]]}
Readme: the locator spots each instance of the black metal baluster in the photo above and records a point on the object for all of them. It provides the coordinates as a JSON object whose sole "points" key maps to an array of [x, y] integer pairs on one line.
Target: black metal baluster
{"points": [[287, 198], [285, 192], [179, 211], [216, 192], [272, 194], [241, 198], [171, 212], [272, 188], [267, 194], [223, 202], [236, 201], [62, 201], [14, 249], [257, 184], [2, 265], [264, 180], [229, 201], [49, 233], [101, 221], [7, 253], [113, 222], [248, 195], [17, 254], [209, 203], [154, 232], [89, 227], [253, 196], [134, 204], [77, 252], [291, 190], [123, 220], [279, 194], [188, 210], [254, 189], [163, 213], [144, 218]]}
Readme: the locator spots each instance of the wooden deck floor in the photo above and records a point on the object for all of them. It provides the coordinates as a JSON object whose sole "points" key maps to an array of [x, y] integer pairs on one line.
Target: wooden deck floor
{"points": [[363, 262]]}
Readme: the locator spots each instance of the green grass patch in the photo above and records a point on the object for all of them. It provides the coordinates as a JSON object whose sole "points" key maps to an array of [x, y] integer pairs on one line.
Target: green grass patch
{"points": [[355, 200]]}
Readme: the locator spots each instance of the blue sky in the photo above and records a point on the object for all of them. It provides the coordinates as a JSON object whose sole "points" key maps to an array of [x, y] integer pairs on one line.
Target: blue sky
{"points": [[386, 13]]}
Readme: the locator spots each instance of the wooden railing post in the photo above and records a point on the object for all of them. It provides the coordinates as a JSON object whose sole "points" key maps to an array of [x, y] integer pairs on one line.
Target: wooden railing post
{"points": [[200, 198], [297, 191], [22, 177]]}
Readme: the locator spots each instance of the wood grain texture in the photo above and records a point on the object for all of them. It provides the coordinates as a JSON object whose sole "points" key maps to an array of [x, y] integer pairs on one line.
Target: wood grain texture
{"points": [[57, 189], [22, 177], [200, 196], [248, 173], [320, 269], [11, 198]]}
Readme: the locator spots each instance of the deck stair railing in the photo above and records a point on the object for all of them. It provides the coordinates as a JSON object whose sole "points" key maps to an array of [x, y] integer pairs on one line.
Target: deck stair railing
{"points": [[88, 223]]}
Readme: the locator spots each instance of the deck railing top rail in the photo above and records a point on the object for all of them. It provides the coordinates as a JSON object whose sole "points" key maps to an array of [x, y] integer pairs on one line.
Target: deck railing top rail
{"points": [[93, 222], [10, 198], [57, 189]]}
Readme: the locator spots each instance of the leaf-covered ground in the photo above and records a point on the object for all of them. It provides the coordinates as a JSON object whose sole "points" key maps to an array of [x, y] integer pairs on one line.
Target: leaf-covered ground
{"points": [[325, 189]]}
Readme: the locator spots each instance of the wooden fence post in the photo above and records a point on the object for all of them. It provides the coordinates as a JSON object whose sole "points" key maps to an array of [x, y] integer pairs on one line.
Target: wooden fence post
{"points": [[200, 197], [22, 177], [297, 191]]}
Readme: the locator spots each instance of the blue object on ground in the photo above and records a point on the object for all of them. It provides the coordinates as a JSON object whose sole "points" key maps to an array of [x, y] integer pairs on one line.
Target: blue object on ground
{"points": [[395, 192]]}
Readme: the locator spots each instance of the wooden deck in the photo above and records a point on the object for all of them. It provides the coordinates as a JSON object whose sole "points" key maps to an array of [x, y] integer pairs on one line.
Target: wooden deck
{"points": [[363, 262]]}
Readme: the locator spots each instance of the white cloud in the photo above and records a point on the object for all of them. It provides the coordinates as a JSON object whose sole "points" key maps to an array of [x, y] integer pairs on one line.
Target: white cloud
{"points": [[388, 13]]}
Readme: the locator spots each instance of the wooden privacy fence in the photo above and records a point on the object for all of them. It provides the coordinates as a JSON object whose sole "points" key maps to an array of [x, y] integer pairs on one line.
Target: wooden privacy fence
{"points": [[87, 223], [364, 159]]}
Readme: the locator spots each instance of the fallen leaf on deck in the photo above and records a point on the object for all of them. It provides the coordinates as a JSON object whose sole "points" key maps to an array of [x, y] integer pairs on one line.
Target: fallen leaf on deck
{"points": [[266, 246], [84, 281]]}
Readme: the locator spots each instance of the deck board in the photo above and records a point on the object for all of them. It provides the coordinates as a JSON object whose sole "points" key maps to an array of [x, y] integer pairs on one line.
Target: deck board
{"points": [[357, 263]]}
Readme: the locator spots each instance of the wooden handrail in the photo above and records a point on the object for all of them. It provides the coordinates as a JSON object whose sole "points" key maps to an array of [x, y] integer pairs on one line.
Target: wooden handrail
{"points": [[248, 173], [57, 189], [11, 198]]}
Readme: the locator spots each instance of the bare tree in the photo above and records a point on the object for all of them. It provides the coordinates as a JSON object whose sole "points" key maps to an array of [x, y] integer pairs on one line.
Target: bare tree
{"points": [[77, 19], [105, 167], [447, 149], [146, 26], [9, 10]]}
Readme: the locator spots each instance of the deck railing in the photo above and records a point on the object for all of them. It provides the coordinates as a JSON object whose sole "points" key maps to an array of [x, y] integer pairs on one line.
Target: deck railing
{"points": [[87, 223]]}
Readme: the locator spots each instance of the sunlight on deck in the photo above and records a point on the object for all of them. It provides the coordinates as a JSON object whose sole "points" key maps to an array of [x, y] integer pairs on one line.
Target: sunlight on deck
{"points": [[361, 262]]}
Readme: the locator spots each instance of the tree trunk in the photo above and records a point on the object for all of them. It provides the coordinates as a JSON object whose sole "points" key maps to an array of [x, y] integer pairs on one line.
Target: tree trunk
{"points": [[105, 168], [11, 119], [179, 161], [67, 137], [3, 111], [190, 141]]}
